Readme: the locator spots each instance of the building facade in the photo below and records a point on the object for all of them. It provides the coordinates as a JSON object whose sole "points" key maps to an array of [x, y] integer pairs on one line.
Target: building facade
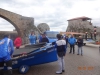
{"points": [[83, 25], [80, 24]]}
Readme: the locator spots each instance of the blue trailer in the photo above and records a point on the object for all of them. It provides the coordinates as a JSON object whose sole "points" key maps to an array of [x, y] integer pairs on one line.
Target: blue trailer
{"points": [[32, 55]]}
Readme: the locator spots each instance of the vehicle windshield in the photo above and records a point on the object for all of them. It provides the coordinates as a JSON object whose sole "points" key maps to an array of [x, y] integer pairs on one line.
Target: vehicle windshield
{"points": [[51, 34]]}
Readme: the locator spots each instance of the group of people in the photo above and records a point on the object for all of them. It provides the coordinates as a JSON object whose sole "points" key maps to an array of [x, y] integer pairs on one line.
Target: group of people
{"points": [[7, 49], [41, 38], [72, 42], [61, 45]]}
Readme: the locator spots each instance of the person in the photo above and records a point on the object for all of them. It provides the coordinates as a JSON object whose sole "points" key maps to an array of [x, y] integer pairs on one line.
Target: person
{"points": [[6, 51], [32, 38], [86, 36], [63, 36], [44, 38], [91, 35], [80, 44], [40, 37], [61, 51], [66, 39], [18, 42], [72, 42], [10, 46]]}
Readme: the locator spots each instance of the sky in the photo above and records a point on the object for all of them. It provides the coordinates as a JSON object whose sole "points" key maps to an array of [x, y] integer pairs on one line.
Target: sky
{"points": [[53, 12]]}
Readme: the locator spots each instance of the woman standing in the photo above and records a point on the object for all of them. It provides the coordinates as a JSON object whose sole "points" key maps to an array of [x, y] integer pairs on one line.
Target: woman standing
{"points": [[18, 42]]}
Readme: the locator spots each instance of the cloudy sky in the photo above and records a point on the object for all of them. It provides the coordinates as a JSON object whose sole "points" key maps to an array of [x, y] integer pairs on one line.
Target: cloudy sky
{"points": [[53, 12]]}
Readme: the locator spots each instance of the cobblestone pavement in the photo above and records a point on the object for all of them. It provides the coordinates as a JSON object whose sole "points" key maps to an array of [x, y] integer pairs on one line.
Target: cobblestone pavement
{"points": [[88, 64]]}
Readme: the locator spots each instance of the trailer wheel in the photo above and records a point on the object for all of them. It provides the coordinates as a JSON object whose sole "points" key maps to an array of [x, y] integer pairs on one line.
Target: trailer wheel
{"points": [[23, 69]]}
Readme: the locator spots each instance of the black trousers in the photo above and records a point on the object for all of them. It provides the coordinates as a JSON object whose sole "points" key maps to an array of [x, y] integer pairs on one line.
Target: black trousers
{"points": [[72, 47], [9, 67]]}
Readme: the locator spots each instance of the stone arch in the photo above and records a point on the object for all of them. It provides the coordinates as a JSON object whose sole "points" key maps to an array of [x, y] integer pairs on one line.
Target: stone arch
{"points": [[23, 25]]}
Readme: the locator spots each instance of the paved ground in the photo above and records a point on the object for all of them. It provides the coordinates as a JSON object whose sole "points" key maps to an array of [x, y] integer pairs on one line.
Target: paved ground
{"points": [[88, 64]]}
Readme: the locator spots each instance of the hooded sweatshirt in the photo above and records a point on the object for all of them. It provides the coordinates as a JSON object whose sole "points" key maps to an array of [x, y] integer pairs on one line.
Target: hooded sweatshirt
{"points": [[18, 42]]}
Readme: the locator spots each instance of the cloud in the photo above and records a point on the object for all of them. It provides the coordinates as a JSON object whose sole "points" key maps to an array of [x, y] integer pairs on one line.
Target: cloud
{"points": [[53, 12]]}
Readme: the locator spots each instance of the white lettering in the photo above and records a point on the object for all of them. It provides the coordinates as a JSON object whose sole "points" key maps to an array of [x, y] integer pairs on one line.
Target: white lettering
{"points": [[28, 58]]}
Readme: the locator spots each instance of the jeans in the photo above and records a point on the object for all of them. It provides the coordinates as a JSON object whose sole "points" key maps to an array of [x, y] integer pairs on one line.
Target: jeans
{"points": [[80, 48], [61, 63]]}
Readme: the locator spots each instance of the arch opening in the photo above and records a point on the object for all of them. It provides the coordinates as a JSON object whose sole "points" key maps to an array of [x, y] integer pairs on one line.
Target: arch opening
{"points": [[9, 28]]}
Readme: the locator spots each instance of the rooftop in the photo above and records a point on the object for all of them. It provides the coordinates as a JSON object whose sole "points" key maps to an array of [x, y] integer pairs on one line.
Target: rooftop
{"points": [[83, 17]]}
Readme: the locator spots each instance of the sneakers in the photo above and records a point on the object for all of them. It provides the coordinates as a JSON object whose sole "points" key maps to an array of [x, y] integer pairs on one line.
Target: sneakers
{"points": [[58, 72]]}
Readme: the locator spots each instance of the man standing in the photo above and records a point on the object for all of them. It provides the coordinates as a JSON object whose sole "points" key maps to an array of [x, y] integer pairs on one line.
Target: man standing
{"points": [[44, 38], [72, 42], [6, 51], [61, 51], [80, 44], [32, 38], [39, 37]]}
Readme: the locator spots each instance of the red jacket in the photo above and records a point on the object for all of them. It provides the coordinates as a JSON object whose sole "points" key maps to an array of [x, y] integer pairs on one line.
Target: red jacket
{"points": [[18, 42]]}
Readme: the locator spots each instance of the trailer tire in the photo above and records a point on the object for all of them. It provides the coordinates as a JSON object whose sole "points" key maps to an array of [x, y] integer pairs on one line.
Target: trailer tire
{"points": [[23, 69]]}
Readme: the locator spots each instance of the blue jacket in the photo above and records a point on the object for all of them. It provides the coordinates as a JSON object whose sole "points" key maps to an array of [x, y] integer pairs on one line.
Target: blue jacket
{"points": [[32, 39], [11, 47], [72, 40], [6, 47]]}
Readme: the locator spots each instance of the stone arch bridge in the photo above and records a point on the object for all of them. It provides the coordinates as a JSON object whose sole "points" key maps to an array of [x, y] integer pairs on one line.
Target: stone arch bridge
{"points": [[23, 25]]}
